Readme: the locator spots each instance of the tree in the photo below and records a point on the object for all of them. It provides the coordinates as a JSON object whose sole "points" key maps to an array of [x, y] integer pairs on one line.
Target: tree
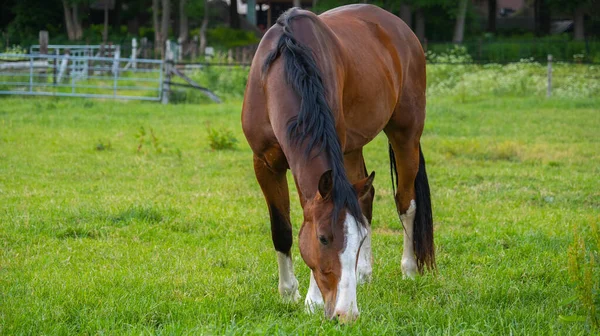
{"points": [[72, 18], [406, 14], [183, 22], [203, 29], [234, 17], [105, 31], [579, 9], [541, 17], [161, 16], [492, 11], [459, 28]]}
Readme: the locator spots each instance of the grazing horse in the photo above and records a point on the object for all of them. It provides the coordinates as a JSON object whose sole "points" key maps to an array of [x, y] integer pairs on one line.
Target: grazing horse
{"points": [[319, 89]]}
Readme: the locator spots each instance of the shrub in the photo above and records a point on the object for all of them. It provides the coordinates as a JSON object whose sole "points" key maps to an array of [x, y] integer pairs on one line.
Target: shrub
{"points": [[220, 139]]}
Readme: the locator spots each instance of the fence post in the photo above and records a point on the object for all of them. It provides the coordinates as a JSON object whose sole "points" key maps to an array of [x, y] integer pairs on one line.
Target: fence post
{"points": [[43, 42], [116, 70], [55, 66], [116, 56], [30, 73], [167, 78], [72, 76], [549, 90], [63, 65], [179, 49], [194, 48], [145, 47], [133, 53]]}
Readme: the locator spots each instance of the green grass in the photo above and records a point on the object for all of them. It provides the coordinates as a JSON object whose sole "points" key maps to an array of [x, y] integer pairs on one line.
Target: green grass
{"points": [[171, 237]]}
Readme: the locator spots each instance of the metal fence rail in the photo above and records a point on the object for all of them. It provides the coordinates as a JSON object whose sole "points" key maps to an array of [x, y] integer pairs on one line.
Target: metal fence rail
{"points": [[81, 76]]}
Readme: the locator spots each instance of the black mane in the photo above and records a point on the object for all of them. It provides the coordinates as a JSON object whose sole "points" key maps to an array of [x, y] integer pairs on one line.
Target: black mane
{"points": [[315, 121]]}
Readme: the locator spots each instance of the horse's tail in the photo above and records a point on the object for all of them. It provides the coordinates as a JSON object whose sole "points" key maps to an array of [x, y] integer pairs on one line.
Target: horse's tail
{"points": [[424, 247]]}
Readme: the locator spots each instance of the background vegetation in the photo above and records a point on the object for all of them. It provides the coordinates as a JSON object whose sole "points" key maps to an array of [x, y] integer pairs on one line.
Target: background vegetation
{"points": [[434, 21]]}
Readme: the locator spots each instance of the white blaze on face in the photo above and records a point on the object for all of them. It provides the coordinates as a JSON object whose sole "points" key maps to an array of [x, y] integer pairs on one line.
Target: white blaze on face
{"points": [[365, 268], [345, 305], [314, 299]]}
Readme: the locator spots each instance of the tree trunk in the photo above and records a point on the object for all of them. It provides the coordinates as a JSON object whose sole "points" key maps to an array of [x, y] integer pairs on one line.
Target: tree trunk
{"points": [[203, 29], [183, 22], [234, 17], [541, 17], [105, 31], [166, 18], [420, 24], [77, 23], [156, 25], [68, 20], [459, 28], [297, 3], [579, 20], [492, 12], [314, 5], [406, 14]]}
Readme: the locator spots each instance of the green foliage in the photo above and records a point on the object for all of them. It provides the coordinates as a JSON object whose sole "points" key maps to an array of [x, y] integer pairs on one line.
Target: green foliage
{"points": [[510, 49], [14, 50], [584, 270], [148, 140], [467, 82], [227, 38], [103, 145], [221, 139], [227, 82]]}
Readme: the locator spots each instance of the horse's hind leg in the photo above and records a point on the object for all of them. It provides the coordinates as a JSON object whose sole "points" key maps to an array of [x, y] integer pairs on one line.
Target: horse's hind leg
{"points": [[273, 182], [406, 160]]}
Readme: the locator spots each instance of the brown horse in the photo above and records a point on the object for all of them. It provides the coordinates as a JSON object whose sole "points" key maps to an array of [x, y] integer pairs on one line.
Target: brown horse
{"points": [[319, 89]]}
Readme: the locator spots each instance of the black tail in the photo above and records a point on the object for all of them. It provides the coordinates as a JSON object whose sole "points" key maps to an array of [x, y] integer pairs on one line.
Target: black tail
{"points": [[423, 226]]}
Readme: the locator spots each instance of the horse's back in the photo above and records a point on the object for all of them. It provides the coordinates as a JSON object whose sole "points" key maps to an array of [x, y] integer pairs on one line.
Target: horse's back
{"points": [[385, 68]]}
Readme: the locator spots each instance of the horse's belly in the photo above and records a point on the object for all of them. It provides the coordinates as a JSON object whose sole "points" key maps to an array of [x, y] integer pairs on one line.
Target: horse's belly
{"points": [[364, 124]]}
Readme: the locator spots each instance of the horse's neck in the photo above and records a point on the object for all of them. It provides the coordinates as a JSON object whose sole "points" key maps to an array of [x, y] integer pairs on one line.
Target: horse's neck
{"points": [[307, 173], [329, 56]]}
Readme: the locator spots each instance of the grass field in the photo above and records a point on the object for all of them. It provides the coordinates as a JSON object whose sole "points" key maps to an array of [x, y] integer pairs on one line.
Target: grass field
{"points": [[108, 229]]}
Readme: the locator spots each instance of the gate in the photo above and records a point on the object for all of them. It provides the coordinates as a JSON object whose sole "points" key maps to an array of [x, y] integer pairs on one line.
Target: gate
{"points": [[79, 73]]}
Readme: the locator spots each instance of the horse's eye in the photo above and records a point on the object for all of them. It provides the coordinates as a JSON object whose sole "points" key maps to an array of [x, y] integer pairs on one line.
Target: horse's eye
{"points": [[323, 240]]}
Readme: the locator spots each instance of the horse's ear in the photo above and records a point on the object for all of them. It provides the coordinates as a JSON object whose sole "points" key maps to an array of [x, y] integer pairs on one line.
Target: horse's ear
{"points": [[363, 186], [326, 184]]}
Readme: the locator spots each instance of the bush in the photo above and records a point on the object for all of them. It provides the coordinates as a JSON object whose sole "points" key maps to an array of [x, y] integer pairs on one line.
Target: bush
{"points": [[227, 38], [220, 139], [503, 50]]}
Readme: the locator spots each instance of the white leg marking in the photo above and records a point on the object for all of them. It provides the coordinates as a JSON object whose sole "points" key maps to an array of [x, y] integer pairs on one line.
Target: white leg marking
{"points": [[346, 307], [409, 261], [314, 299], [365, 259], [288, 284]]}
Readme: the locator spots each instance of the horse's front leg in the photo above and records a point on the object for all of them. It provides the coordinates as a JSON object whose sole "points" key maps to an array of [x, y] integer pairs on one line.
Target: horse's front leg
{"points": [[273, 182]]}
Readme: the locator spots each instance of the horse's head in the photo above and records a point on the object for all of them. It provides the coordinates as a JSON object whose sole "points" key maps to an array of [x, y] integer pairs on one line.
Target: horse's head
{"points": [[330, 244]]}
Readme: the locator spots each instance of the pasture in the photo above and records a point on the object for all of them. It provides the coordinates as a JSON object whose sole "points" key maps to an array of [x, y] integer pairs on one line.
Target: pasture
{"points": [[118, 218]]}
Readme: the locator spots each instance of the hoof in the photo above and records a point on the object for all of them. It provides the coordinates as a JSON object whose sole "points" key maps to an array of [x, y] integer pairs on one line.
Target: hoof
{"points": [[409, 269], [290, 294], [364, 276]]}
